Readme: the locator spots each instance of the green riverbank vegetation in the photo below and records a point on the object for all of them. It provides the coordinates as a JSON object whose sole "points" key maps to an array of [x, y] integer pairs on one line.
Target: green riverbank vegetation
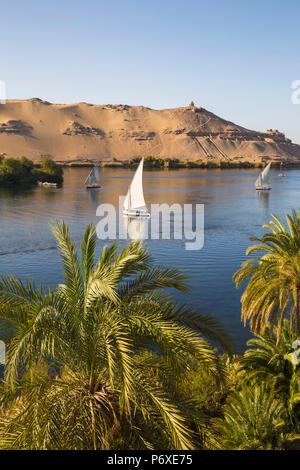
{"points": [[24, 171], [151, 162], [108, 361]]}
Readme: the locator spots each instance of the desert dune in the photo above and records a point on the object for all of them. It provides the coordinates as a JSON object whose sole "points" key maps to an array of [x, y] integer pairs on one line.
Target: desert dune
{"points": [[83, 131]]}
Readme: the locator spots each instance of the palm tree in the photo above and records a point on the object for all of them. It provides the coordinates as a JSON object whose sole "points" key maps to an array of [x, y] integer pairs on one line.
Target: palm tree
{"points": [[252, 421], [98, 358], [272, 364], [273, 290]]}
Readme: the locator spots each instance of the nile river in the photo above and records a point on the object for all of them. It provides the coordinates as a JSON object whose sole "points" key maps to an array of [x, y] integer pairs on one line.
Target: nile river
{"points": [[233, 213]]}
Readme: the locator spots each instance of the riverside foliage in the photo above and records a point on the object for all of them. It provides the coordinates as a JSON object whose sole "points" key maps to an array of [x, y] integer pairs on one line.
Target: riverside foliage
{"points": [[23, 171], [156, 162], [108, 361]]}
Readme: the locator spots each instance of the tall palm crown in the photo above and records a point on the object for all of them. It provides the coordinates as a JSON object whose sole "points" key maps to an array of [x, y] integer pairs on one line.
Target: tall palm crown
{"points": [[117, 345], [273, 290], [275, 366]]}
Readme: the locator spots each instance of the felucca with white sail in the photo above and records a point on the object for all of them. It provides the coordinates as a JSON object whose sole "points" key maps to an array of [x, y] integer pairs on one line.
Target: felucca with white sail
{"points": [[134, 203], [93, 179], [281, 174], [262, 183]]}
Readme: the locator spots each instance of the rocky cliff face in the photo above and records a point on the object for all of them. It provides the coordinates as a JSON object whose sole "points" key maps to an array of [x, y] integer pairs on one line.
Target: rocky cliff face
{"points": [[83, 131]]}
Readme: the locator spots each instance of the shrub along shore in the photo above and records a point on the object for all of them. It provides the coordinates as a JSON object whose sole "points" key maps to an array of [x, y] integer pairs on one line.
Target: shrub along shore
{"points": [[172, 163], [24, 171]]}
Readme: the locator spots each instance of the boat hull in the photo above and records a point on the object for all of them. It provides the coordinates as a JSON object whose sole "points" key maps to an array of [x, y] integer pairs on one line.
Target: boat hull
{"points": [[47, 185], [263, 188], [136, 214]]}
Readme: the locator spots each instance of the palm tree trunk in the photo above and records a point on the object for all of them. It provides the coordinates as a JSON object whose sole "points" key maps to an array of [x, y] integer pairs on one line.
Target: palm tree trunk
{"points": [[2, 358], [297, 312]]}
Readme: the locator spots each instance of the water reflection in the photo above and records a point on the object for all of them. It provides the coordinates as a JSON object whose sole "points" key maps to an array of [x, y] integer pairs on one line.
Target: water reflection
{"points": [[48, 192], [136, 229], [10, 192], [263, 199], [94, 196]]}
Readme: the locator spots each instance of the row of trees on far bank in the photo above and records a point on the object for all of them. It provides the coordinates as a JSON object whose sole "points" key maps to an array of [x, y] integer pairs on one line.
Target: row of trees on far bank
{"points": [[157, 162], [108, 361]]}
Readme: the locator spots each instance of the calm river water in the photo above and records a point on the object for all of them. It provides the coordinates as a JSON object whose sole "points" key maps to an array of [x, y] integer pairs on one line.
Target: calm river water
{"points": [[233, 213]]}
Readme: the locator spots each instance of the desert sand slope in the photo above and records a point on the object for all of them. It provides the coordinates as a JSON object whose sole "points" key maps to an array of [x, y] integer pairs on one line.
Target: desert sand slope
{"points": [[83, 131]]}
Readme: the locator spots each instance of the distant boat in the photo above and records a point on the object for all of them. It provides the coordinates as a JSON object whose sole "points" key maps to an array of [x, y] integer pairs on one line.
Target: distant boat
{"points": [[134, 203], [262, 182], [281, 174], [47, 185], [92, 180]]}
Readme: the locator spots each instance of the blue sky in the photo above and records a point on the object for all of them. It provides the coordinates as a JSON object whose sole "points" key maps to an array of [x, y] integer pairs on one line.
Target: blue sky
{"points": [[237, 59]]}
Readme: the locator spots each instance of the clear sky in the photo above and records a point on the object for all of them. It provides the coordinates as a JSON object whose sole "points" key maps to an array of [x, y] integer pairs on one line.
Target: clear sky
{"points": [[237, 59]]}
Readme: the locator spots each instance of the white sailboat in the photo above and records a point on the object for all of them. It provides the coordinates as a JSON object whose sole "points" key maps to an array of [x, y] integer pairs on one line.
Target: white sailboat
{"points": [[262, 182], [134, 203], [92, 180]]}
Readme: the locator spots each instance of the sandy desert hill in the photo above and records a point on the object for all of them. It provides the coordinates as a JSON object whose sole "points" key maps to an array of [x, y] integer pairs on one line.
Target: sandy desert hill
{"points": [[82, 131]]}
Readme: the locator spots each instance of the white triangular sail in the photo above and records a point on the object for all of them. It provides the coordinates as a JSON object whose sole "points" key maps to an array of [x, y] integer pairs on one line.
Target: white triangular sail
{"points": [[263, 177], [258, 181], [93, 177], [265, 174], [135, 196]]}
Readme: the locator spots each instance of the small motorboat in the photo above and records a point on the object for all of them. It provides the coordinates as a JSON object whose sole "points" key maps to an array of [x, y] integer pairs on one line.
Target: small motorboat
{"points": [[47, 185]]}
